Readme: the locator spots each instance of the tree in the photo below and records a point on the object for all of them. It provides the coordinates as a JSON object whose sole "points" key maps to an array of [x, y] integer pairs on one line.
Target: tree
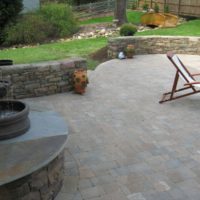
{"points": [[120, 11], [9, 9]]}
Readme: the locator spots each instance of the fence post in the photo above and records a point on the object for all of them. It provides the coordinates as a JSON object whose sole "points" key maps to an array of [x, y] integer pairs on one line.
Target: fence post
{"points": [[108, 5], [90, 7], [179, 7], [164, 5], [139, 3]]}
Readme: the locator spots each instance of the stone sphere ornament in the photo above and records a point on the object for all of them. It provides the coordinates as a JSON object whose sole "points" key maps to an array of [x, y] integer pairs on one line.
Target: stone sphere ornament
{"points": [[121, 55]]}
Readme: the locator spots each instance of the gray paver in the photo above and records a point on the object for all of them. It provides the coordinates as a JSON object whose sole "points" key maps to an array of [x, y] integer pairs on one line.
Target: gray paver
{"points": [[118, 129], [92, 192], [136, 196]]}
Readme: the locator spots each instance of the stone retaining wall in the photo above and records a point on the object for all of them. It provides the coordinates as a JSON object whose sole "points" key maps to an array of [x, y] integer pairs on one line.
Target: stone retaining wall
{"points": [[155, 45], [32, 80], [41, 185]]}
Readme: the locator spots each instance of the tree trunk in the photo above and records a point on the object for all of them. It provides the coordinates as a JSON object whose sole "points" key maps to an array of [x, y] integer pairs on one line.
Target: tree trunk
{"points": [[120, 11]]}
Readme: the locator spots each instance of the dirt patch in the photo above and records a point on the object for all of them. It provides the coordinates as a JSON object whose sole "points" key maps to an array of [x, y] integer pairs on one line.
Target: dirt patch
{"points": [[100, 55]]}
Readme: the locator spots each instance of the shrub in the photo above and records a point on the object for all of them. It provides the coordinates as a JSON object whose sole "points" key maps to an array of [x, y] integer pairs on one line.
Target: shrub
{"points": [[61, 18], [134, 5], [145, 6], [156, 8], [128, 30], [9, 10], [166, 8], [8, 13], [30, 28]]}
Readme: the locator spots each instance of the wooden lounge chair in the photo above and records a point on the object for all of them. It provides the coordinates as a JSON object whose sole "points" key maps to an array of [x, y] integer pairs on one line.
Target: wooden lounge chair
{"points": [[188, 78]]}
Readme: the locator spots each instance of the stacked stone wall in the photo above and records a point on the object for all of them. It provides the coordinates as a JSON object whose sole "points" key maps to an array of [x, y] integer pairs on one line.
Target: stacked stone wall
{"points": [[33, 80], [155, 45], [43, 184]]}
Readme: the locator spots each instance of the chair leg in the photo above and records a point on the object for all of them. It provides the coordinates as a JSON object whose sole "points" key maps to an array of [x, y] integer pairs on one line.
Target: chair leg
{"points": [[178, 97], [174, 90], [174, 85]]}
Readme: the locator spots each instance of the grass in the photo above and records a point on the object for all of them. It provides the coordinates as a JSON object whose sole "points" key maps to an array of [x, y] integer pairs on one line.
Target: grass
{"points": [[55, 51], [97, 20], [133, 17], [85, 47], [190, 28]]}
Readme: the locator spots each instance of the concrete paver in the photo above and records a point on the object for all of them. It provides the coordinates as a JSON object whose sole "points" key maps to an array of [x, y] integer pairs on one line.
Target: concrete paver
{"points": [[123, 144]]}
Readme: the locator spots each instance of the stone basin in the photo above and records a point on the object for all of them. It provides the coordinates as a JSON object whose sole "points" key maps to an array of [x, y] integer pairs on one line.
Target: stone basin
{"points": [[6, 62], [14, 119]]}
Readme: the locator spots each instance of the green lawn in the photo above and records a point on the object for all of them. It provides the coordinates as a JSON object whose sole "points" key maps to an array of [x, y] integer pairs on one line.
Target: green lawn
{"points": [[191, 28], [85, 47], [54, 51], [133, 17]]}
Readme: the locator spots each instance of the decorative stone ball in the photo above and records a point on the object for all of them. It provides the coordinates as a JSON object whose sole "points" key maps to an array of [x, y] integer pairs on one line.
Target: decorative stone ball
{"points": [[80, 81], [121, 55]]}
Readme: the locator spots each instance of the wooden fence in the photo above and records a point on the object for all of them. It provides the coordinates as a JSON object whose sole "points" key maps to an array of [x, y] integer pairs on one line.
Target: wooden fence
{"points": [[92, 9], [101, 7], [178, 7]]}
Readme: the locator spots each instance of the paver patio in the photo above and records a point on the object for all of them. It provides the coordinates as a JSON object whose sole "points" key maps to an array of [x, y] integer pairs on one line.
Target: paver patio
{"points": [[124, 145]]}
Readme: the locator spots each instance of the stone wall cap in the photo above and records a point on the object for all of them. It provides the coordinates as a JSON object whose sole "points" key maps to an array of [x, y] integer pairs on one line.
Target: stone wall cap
{"points": [[150, 36], [42, 64], [35, 149]]}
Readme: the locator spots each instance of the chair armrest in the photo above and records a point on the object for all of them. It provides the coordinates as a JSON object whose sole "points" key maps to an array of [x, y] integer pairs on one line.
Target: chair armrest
{"points": [[191, 83], [198, 74]]}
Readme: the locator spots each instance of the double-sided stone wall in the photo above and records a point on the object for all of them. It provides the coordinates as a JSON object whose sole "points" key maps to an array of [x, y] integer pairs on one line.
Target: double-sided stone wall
{"points": [[155, 45], [32, 80]]}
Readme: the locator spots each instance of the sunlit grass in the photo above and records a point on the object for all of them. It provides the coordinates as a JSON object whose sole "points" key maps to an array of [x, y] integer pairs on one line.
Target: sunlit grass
{"points": [[54, 51], [133, 17], [190, 28]]}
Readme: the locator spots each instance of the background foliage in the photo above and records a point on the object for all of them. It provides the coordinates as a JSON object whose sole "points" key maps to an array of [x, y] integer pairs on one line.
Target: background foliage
{"points": [[72, 2], [60, 16], [8, 12], [30, 28], [50, 21]]}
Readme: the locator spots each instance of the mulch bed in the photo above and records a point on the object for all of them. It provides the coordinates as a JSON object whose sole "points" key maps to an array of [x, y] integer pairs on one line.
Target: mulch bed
{"points": [[100, 55]]}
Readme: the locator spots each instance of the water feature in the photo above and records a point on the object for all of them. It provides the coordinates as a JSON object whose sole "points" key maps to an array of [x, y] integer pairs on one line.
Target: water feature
{"points": [[24, 158], [14, 119]]}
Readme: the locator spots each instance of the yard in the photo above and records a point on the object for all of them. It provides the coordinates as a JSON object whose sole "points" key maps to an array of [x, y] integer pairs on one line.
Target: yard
{"points": [[80, 48], [54, 51], [113, 139]]}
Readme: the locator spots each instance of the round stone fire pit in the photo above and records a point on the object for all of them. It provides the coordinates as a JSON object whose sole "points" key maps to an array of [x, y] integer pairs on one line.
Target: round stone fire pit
{"points": [[32, 164], [14, 119]]}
